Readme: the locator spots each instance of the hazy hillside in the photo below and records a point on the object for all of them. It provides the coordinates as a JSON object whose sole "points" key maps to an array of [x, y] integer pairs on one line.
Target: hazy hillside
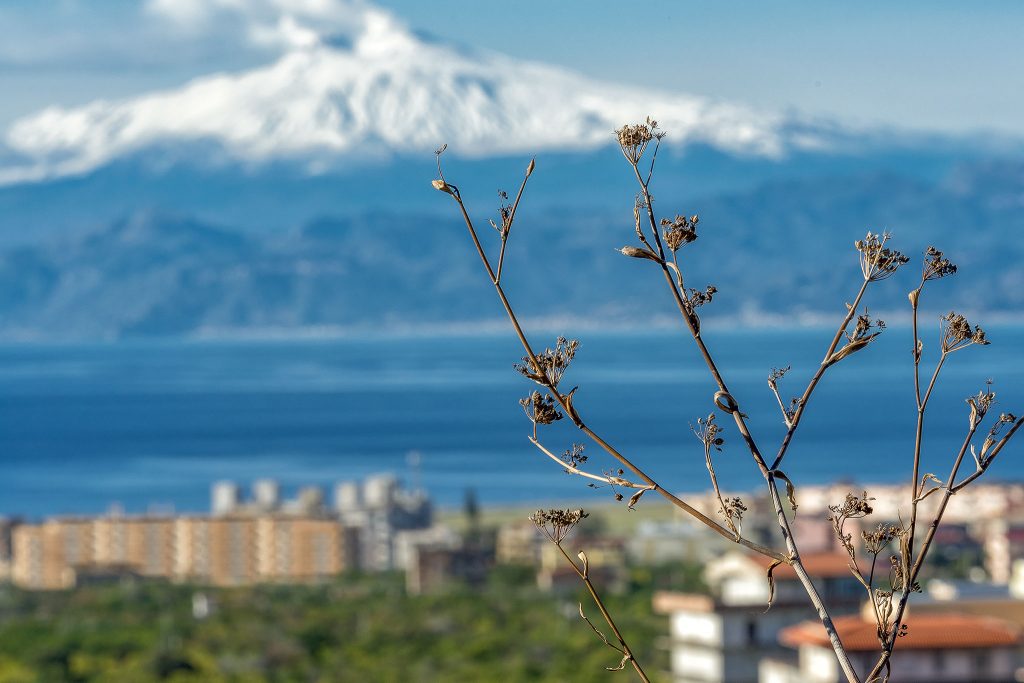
{"points": [[784, 247]]}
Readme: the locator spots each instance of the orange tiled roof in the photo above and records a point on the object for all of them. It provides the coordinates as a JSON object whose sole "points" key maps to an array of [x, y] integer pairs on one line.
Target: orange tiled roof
{"points": [[925, 632], [821, 565]]}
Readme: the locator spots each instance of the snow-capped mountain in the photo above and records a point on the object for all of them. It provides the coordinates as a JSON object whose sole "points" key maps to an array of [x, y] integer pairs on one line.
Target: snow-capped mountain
{"points": [[331, 98]]}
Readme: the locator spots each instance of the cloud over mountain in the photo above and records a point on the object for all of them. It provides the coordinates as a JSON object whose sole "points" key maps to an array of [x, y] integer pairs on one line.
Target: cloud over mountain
{"points": [[347, 81]]}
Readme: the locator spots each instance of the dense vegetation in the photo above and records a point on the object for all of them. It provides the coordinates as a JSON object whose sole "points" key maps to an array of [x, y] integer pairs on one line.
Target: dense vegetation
{"points": [[352, 629]]}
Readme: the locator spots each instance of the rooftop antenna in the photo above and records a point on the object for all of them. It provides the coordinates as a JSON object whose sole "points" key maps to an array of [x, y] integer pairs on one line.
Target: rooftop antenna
{"points": [[414, 459]]}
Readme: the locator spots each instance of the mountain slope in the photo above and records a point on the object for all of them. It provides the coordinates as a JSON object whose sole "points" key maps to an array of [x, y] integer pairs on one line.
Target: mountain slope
{"points": [[782, 252], [335, 100]]}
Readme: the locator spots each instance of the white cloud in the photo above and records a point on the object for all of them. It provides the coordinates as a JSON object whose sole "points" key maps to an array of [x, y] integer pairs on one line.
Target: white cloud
{"points": [[177, 34], [275, 24]]}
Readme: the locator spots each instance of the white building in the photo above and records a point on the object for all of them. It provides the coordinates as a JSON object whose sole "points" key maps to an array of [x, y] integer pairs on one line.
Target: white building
{"points": [[938, 648], [380, 509], [720, 638]]}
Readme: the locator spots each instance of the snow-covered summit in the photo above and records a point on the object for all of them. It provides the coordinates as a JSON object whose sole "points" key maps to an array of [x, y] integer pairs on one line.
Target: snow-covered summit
{"points": [[380, 89]]}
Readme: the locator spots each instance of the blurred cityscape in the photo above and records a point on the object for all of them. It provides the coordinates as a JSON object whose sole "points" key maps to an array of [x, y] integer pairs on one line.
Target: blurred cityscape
{"points": [[966, 626]]}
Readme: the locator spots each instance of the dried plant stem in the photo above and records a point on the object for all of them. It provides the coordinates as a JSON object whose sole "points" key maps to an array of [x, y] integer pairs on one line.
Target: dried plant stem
{"points": [[623, 647], [988, 461], [718, 491], [785, 416], [794, 422], [732, 407], [948, 491], [911, 564], [603, 478], [877, 262], [574, 414]]}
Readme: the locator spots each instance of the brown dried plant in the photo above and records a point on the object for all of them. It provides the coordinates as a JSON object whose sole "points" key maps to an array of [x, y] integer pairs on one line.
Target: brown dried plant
{"points": [[660, 243], [556, 525]]}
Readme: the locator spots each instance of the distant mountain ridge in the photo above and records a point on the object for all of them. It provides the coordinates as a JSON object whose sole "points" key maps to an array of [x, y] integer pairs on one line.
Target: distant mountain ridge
{"points": [[782, 250], [295, 197]]}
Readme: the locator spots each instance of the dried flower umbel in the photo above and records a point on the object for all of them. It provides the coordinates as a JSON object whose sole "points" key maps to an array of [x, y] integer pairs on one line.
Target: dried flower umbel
{"points": [[679, 231], [936, 265], [553, 363], [540, 409], [698, 298], [633, 139], [877, 262], [880, 537], [853, 507], [957, 333], [574, 456], [556, 524], [980, 404]]}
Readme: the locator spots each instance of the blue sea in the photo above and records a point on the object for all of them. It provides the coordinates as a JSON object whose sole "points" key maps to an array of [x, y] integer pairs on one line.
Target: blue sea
{"points": [[155, 423]]}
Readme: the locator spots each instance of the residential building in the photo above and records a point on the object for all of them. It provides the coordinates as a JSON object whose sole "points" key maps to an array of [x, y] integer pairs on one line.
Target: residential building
{"points": [[721, 637], [240, 542], [379, 509], [938, 648]]}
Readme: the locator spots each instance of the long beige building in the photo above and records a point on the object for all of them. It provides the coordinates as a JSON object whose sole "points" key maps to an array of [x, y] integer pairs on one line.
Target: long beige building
{"points": [[217, 550]]}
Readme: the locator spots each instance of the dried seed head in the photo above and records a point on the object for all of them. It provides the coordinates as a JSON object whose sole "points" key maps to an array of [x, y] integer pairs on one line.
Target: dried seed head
{"points": [[708, 432], [733, 509], [633, 139], [698, 298], [877, 261], [553, 363], [556, 524], [853, 507], [573, 457], [980, 404], [957, 333], [679, 231], [936, 265], [776, 374], [540, 409], [876, 541]]}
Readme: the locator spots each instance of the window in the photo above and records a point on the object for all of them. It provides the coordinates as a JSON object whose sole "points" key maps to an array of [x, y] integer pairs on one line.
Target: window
{"points": [[981, 662]]}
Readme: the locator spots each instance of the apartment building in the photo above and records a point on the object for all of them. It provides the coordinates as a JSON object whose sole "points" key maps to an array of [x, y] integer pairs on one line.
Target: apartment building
{"points": [[220, 551], [265, 539]]}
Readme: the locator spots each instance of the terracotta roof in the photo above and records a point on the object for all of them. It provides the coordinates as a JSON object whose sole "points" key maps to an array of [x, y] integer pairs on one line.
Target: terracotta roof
{"points": [[925, 632], [821, 565]]}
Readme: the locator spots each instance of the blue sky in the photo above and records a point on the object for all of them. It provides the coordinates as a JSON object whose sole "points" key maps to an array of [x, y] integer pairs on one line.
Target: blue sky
{"points": [[954, 66], [948, 66]]}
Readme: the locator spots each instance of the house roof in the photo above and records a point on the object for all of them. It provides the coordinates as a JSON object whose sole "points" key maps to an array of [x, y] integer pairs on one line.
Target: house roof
{"points": [[666, 602], [925, 632], [825, 565]]}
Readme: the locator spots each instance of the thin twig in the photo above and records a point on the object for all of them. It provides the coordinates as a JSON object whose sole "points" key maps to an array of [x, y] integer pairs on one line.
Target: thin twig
{"points": [[584, 574]]}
